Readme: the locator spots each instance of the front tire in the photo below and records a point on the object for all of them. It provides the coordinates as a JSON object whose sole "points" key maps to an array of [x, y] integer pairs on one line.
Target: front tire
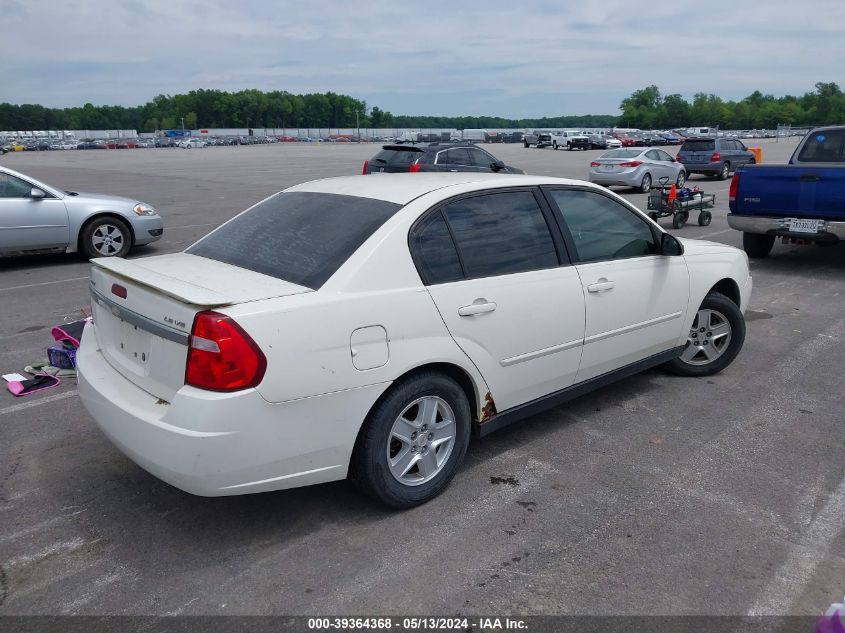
{"points": [[106, 237], [716, 336], [413, 441], [756, 245]]}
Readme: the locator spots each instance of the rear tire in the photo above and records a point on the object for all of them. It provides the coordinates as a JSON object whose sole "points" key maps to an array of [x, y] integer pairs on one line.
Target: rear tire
{"points": [[704, 218], [756, 245], [718, 345], [645, 184], [410, 425], [725, 172], [682, 179]]}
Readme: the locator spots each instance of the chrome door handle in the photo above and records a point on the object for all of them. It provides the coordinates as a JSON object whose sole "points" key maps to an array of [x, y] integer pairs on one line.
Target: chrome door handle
{"points": [[601, 285], [477, 308]]}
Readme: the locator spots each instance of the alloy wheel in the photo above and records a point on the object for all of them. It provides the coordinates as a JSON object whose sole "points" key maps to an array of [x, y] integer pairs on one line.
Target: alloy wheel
{"points": [[107, 239], [709, 338], [421, 440]]}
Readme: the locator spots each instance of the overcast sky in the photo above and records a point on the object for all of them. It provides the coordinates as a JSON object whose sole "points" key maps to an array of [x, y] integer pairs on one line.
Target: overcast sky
{"points": [[516, 58]]}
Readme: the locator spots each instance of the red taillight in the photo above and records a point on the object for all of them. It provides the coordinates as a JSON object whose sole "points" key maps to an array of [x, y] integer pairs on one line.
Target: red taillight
{"points": [[118, 290], [594, 164], [414, 167], [221, 356], [678, 157], [733, 188], [716, 157], [631, 163], [366, 167]]}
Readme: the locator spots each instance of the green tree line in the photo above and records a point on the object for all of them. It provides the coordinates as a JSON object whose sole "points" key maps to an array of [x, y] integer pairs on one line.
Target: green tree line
{"points": [[198, 108], [647, 108]]}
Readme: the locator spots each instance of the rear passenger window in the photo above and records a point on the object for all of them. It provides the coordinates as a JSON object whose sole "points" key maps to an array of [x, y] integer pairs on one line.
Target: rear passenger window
{"points": [[434, 251], [459, 156], [500, 234], [823, 146], [602, 228]]}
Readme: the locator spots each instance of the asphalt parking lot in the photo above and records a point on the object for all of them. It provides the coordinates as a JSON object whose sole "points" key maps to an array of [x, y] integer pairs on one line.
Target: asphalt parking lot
{"points": [[659, 494]]}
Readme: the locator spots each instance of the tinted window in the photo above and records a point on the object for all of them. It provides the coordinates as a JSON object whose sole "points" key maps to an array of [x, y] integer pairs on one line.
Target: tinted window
{"points": [[653, 154], [824, 146], [698, 146], [459, 156], [664, 156], [434, 251], [396, 157], [480, 158], [602, 228], [501, 233], [300, 237]]}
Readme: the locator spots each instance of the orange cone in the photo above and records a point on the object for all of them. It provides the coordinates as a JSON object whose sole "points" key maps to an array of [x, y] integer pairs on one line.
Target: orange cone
{"points": [[673, 193]]}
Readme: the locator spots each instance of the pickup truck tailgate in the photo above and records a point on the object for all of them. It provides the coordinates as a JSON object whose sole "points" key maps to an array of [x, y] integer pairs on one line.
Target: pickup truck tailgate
{"points": [[143, 311], [791, 190]]}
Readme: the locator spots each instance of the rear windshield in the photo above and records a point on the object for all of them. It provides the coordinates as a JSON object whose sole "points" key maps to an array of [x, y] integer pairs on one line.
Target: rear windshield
{"points": [[397, 156], [621, 153], [824, 146], [698, 146], [299, 237]]}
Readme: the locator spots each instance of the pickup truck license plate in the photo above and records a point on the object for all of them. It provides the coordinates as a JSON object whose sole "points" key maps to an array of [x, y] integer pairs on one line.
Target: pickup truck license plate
{"points": [[804, 226]]}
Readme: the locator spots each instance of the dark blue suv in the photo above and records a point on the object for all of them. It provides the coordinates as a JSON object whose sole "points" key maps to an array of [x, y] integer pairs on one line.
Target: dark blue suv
{"points": [[713, 156]]}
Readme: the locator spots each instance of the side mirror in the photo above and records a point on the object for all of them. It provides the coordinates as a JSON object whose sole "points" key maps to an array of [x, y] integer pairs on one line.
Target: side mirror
{"points": [[37, 193], [670, 245], [497, 165]]}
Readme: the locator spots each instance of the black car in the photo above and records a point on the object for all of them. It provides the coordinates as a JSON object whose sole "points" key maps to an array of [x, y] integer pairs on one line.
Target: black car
{"points": [[461, 156], [713, 156]]}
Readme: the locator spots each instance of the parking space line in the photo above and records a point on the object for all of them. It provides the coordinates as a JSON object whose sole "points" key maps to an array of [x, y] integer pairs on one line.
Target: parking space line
{"points": [[46, 400], [43, 283], [792, 577]]}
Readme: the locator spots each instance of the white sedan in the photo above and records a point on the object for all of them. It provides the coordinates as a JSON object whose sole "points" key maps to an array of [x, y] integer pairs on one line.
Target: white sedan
{"points": [[367, 327]]}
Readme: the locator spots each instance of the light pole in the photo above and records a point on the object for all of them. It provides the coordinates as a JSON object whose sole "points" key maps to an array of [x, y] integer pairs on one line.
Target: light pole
{"points": [[358, 125], [183, 126]]}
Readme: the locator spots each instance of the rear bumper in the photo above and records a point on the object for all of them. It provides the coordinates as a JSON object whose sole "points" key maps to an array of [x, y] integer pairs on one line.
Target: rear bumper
{"points": [[763, 225], [702, 168], [216, 444]]}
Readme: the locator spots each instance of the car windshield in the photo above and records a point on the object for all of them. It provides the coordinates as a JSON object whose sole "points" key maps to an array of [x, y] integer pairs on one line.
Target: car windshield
{"points": [[299, 237], [621, 153]]}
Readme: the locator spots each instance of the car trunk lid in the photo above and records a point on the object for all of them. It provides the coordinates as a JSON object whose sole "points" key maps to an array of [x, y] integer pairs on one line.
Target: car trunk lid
{"points": [[143, 311]]}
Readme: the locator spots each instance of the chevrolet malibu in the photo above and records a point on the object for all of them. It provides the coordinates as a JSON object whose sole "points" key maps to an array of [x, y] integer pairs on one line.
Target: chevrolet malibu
{"points": [[35, 217], [367, 327]]}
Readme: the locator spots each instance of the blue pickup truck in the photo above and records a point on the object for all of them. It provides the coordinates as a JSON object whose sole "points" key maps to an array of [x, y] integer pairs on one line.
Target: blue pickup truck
{"points": [[803, 201]]}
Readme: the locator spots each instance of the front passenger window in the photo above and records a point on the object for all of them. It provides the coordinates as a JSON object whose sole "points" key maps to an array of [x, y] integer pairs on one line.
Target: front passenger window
{"points": [[602, 228], [12, 187]]}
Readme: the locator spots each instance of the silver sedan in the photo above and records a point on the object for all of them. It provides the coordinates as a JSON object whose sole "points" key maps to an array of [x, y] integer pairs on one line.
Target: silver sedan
{"points": [[640, 168], [35, 217]]}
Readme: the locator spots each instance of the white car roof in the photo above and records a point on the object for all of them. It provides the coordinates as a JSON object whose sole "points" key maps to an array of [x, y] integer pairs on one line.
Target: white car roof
{"points": [[402, 188]]}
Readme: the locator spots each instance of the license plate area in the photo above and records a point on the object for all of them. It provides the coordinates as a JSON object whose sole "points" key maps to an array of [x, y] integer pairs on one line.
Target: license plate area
{"points": [[802, 225]]}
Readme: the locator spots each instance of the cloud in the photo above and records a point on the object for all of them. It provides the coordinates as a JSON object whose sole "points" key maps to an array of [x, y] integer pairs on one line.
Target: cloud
{"points": [[495, 57]]}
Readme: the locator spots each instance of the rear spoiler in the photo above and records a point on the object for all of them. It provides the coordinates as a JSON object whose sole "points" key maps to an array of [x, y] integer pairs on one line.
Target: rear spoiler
{"points": [[164, 284]]}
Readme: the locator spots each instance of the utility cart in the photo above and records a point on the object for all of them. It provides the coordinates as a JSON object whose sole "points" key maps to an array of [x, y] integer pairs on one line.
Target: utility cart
{"points": [[661, 204]]}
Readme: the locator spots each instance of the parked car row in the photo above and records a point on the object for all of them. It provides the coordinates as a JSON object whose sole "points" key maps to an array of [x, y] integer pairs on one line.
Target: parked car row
{"points": [[643, 168]]}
